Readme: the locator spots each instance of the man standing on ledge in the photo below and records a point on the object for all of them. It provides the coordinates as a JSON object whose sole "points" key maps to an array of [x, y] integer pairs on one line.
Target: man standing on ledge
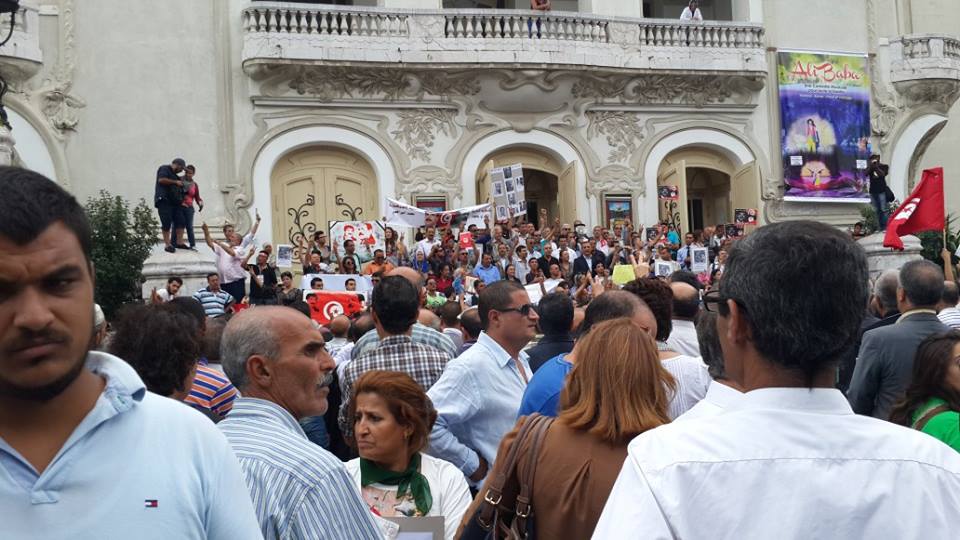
{"points": [[780, 450], [478, 395], [167, 197], [85, 450]]}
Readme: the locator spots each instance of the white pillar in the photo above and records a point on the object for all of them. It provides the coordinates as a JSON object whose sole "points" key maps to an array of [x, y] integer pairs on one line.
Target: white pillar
{"points": [[748, 11], [6, 146]]}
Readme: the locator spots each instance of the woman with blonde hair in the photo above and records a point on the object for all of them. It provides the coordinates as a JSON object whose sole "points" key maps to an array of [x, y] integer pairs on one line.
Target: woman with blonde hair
{"points": [[617, 390]]}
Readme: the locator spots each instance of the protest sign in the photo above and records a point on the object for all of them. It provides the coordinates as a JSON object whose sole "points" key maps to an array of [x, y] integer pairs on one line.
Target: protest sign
{"points": [[367, 236], [507, 191], [663, 268], [623, 273], [745, 216], [466, 240], [699, 259], [284, 256], [534, 292]]}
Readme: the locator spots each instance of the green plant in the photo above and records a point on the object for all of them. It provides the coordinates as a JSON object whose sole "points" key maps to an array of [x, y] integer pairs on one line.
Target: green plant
{"points": [[122, 241], [932, 242]]}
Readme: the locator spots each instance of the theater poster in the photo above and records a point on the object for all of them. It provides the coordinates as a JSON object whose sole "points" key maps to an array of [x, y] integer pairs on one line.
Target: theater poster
{"points": [[824, 125]]}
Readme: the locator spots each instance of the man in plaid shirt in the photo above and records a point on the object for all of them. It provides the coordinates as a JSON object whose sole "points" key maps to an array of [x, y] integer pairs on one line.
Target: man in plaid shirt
{"points": [[396, 304]]}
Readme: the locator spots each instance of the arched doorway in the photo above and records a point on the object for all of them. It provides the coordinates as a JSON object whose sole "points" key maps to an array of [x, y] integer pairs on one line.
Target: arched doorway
{"points": [[549, 184], [709, 187], [317, 184]]}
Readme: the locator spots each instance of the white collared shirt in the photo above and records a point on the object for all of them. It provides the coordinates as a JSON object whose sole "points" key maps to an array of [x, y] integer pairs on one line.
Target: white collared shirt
{"points": [[785, 463], [692, 378], [718, 399], [683, 338]]}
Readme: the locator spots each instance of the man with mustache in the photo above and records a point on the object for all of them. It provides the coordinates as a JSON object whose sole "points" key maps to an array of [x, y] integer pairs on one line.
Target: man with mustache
{"points": [[278, 360], [85, 450]]}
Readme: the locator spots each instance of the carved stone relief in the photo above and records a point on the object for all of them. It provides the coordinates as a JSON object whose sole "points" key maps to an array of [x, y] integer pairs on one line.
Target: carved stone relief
{"points": [[338, 82], [54, 98], [697, 90], [622, 130], [417, 129]]}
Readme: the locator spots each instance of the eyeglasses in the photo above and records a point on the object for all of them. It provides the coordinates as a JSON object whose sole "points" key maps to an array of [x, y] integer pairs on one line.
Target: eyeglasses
{"points": [[522, 310], [715, 302]]}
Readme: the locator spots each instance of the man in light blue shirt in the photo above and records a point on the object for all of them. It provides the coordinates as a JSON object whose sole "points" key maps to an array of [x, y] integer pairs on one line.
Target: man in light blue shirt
{"points": [[277, 359], [543, 393], [487, 271], [85, 450], [478, 395]]}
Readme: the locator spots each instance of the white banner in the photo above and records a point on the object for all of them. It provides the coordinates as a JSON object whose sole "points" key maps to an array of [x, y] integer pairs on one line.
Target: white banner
{"points": [[404, 215], [338, 282]]}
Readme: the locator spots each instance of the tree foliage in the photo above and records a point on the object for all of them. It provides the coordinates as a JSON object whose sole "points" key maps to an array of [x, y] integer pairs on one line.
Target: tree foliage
{"points": [[122, 241]]}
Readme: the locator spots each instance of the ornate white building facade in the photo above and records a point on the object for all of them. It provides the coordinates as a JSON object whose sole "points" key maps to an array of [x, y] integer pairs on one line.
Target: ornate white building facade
{"points": [[312, 112]]}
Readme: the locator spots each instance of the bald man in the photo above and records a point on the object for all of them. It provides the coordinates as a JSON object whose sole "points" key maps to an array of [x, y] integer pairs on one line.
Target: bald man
{"points": [[339, 327], [429, 319], [420, 333], [543, 393], [686, 305]]}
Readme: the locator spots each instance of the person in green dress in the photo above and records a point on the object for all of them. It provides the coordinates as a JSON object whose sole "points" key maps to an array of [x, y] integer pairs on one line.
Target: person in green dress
{"points": [[932, 401]]}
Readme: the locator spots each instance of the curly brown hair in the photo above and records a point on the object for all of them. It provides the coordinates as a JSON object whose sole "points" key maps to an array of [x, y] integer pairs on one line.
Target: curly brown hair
{"points": [[658, 296]]}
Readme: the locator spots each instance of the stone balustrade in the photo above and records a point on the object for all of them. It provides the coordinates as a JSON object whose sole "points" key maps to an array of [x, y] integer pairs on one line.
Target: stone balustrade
{"points": [[493, 38], [924, 57], [20, 57]]}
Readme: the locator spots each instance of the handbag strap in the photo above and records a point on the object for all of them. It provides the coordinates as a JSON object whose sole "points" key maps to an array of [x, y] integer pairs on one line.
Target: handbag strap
{"points": [[524, 507], [922, 421], [493, 492]]}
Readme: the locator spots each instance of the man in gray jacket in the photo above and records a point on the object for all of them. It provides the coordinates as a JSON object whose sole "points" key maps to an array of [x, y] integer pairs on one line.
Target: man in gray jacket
{"points": [[885, 363]]}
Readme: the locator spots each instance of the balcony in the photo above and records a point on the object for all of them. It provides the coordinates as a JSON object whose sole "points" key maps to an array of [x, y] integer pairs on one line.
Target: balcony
{"points": [[285, 33], [924, 57], [21, 58]]}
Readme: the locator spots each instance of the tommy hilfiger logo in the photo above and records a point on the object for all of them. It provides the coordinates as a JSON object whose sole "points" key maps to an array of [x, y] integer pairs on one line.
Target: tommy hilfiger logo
{"points": [[150, 503]]}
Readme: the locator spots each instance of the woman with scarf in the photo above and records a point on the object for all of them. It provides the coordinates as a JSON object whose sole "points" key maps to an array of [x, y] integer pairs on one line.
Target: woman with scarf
{"points": [[392, 418]]}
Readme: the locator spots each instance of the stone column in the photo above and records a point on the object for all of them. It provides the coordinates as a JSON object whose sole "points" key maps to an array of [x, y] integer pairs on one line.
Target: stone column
{"points": [[880, 258], [6, 146]]}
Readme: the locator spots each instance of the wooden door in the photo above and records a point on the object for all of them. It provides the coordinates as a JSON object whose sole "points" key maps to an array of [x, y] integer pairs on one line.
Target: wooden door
{"points": [[313, 186], [745, 189], [566, 200], [674, 211]]}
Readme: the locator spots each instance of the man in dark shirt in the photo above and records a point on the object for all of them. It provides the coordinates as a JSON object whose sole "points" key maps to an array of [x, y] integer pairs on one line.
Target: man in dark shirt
{"points": [[879, 191], [167, 198], [263, 281], [556, 319], [548, 259]]}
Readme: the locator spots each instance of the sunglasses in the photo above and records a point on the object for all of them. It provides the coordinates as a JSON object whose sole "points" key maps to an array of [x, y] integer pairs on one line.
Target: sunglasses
{"points": [[522, 310]]}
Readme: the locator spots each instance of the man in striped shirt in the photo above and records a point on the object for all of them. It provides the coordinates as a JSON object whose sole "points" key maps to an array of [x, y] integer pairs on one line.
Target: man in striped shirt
{"points": [[948, 312], [277, 359], [214, 299], [211, 390]]}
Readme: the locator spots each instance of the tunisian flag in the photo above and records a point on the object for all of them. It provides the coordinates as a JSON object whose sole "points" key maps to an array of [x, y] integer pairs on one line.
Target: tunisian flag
{"points": [[324, 306], [922, 211]]}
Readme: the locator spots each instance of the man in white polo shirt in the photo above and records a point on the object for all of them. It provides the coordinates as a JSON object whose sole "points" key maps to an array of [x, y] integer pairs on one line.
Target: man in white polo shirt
{"points": [[788, 459], [85, 450]]}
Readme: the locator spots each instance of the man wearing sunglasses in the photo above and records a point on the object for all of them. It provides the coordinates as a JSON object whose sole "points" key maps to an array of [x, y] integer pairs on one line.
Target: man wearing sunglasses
{"points": [[790, 452], [479, 392]]}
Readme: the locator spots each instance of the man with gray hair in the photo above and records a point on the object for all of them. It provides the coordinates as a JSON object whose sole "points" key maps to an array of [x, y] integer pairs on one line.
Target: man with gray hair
{"points": [[277, 358], [883, 302], [723, 391], [947, 310], [885, 362]]}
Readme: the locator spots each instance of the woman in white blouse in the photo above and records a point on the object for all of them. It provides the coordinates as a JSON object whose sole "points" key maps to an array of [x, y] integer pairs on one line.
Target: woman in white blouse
{"points": [[691, 12], [390, 429]]}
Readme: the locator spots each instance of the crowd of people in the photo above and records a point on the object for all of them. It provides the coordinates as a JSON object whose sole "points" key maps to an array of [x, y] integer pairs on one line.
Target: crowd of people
{"points": [[724, 403]]}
